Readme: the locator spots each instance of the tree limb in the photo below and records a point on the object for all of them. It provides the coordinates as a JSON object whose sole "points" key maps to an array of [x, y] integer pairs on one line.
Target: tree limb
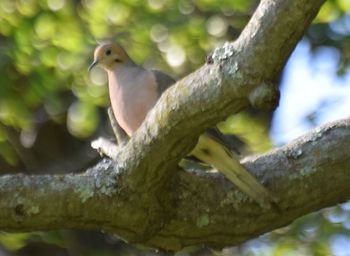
{"points": [[145, 198], [194, 208]]}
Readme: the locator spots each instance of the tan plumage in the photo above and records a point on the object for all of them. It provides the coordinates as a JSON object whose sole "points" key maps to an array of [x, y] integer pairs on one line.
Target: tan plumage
{"points": [[134, 90]]}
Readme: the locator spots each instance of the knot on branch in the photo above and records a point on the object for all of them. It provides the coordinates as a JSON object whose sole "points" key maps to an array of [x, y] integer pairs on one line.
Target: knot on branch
{"points": [[265, 96]]}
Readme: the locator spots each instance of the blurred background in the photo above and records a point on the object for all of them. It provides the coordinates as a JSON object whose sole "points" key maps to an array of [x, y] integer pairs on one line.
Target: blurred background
{"points": [[51, 107]]}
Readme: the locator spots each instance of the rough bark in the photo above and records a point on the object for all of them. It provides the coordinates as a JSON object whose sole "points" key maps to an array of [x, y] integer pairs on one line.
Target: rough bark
{"points": [[145, 198], [192, 208]]}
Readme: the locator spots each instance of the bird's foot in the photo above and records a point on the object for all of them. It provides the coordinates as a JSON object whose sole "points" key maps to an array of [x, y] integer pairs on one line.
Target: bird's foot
{"points": [[106, 147]]}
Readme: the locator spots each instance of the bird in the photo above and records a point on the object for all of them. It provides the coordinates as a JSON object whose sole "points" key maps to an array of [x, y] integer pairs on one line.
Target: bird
{"points": [[134, 90]]}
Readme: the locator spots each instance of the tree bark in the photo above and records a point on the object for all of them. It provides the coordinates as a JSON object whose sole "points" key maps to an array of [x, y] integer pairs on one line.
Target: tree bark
{"points": [[193, 207], [144, 197]]}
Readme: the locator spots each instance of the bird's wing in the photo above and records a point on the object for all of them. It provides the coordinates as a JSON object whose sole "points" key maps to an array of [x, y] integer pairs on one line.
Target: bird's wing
{"points": [[232, 142], [163, 80]]}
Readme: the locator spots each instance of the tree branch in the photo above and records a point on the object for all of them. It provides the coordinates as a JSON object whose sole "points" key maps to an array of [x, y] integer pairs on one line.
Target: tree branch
{"points": [[194, 208], [145, 198]]}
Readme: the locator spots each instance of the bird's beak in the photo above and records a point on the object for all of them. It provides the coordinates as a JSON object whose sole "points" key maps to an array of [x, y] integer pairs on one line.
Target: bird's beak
{"points": [[93, 64]]}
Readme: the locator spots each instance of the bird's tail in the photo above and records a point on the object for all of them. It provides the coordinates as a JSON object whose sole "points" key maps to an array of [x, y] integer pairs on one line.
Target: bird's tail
{"points": [[212, 152]]}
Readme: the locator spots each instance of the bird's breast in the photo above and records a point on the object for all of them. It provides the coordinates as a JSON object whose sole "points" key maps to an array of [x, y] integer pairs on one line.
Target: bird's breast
{"points": [[132, 97]]}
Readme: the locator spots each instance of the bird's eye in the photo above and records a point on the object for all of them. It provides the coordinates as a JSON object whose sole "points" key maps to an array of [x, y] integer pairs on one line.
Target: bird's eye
{"points": [[108, 52]]}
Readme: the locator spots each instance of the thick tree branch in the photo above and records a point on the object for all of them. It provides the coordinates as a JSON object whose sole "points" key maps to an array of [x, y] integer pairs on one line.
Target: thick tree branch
{"points": [[194, 208], [144, 197]]}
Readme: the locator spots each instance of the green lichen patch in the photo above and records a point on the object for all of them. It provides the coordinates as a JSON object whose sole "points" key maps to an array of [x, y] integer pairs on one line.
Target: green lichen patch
{"points": [[303, 172], [24, 207], [106, 183], [85, 192], [203, 220], [34, 209], [234, 198], [224, 52]]}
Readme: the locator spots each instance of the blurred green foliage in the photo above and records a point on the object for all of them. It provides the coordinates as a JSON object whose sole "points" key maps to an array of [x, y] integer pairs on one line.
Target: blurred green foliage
{"points": [[14, 242], [45, 49]]}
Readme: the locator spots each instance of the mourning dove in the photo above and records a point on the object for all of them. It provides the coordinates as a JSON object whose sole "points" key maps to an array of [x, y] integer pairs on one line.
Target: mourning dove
{"points": [[134, 90]]}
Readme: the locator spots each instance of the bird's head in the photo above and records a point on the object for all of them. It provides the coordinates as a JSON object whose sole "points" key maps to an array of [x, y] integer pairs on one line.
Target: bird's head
{"points": [[108, 55]]}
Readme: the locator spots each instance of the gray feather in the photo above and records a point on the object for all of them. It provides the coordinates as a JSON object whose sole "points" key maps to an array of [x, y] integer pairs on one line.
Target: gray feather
{"points": [[163, 80], [232, 142]]}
